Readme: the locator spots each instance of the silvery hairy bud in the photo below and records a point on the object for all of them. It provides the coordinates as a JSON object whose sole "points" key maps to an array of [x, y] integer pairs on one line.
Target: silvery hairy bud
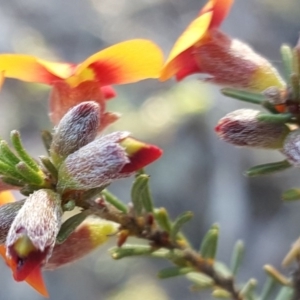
{"points": [[291, 148], [243, 128], [110, 157], [32, 235], [76, 129]]}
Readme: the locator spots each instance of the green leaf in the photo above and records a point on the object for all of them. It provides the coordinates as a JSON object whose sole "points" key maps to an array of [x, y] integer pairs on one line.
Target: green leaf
{"points": [[162, 217], [209, 245], [17, 143], [267, 289], [287, 60], [237, 257], [272, 118], [49, 167], [255, 98], [267, 169], [10, 171], [13, 181], [7, 155], [291, 195], [114, 201], [140, 195], [285, 293], [278, 277], [47, 139], [178, 223], [130, 250], [200, 279], [220, 293], [174, 271], [32, 177], [248, 290], [69, 226]]}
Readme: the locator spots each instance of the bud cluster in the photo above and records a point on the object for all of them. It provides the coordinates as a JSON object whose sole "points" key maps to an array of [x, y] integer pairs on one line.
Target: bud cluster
{"points": [[278, 129], [80, 165]]}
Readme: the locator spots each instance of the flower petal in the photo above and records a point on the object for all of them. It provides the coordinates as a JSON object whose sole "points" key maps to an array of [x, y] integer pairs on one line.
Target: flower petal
{"points": [[6, 197], [193, 34], [126, 62], [34, 279], [32, 69], [220, 9]]}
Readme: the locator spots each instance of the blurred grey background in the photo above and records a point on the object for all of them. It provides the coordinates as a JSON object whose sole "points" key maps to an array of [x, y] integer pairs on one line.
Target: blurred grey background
{"points": [[197, 172]]}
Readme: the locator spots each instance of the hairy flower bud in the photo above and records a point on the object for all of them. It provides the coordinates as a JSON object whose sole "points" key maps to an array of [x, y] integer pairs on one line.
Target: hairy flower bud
{"points": [[242, 128], [89, 235], [76, 129], [32, 235], [105, 159], [8, 213], [291, 148]]}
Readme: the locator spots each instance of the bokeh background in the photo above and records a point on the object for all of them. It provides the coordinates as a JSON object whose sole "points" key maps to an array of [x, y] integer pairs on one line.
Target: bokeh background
{"points": [[198, 172]]}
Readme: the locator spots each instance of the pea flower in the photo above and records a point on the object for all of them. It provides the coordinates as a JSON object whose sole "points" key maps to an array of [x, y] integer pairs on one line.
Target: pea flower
{"points": [[89, 235], [113, 156], [126, 62], [8, 210], [32, 234], [243, 128], [203, 48]]}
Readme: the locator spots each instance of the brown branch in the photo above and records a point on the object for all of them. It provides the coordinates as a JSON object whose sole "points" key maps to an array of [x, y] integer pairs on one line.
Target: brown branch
{"points": [[146, 228]]}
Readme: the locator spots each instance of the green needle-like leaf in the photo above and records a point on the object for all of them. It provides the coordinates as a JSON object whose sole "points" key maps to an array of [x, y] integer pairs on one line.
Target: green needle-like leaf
{"points": [[285, 293], [221, 294], [272, 118], [49, 167], [249, 97], [287, 60], [173, 272], [69, 226], [200, 279], [162, 217], [13, 181], [291, 195], [32, 177], [140, 194], [7, 155], [209, 245], [114, 201], [248, 290], [47, 139], [17, 143], [237, 257], [10, 171], [268, 288], [130, 250], [178, 223], [267, 169]]}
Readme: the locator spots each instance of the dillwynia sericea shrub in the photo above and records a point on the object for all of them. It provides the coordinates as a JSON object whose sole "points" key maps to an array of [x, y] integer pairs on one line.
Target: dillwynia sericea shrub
{"points": [[83, 161]]}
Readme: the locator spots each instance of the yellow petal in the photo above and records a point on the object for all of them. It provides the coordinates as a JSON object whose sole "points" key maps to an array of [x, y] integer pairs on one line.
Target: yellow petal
{"points": [[32, 69], [191, 36], [126, 62], [6, 197]]}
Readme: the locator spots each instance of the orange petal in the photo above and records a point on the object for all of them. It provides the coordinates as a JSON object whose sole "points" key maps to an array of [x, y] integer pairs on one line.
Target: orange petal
{"points": [[6, 197], [193, 34], [125, 62], [219, 8], [35, 280], [32, 69]]}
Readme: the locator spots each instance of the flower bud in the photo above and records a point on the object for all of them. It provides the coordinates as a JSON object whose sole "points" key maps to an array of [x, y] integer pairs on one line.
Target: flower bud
{"points": [[89, 235], [32, 235], [8, 213], [291, 148], [105, 159], [76, 129], [242, 128]]}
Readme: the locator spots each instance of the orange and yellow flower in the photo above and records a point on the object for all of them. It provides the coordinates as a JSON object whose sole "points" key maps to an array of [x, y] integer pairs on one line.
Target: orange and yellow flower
{"points": [[34, 279], [203, 48], [126, 62]]}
